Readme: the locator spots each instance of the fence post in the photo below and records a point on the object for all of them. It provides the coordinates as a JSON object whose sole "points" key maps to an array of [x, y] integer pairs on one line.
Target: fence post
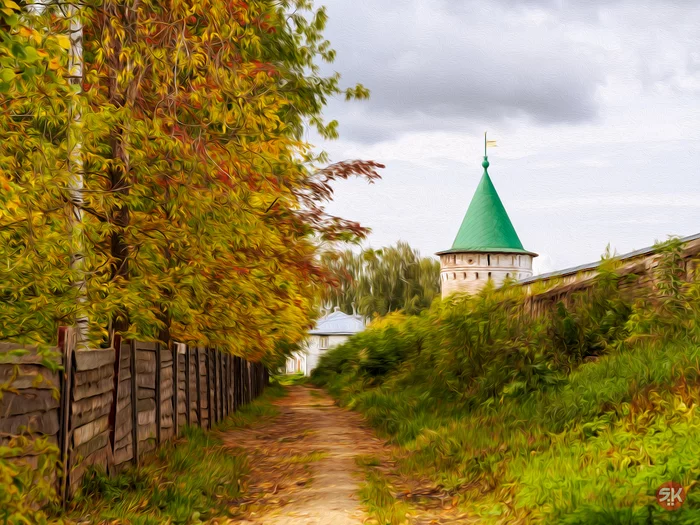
{"points": [[248, 382], [176, 388], [158, 392], [220, 383], [65, 343], [188, 415], [214, 377], [224, 383], [134, 403], [207, 361], [199, 388], [239, 381], [219, 405], [229, 382], [217, 362], [112, 420]]}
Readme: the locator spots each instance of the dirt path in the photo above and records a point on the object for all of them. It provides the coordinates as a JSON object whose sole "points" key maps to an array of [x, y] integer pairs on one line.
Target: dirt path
{"points": [[306, 457]]}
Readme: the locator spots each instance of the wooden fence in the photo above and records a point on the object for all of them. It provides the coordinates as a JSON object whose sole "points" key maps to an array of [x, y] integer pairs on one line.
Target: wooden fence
{"points": [[109, 407]]}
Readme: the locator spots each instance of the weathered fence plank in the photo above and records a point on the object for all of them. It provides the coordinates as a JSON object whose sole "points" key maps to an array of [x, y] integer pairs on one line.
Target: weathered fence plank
{"points": [[159, 391], [134, 403], [188, 411], [108, 407]]}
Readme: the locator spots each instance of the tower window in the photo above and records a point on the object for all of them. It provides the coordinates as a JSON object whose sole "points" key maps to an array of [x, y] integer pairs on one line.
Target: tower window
{"points": [[489, 275], [507, 276], [477, 276], [465, 275], [471, 261], [488, 260]]}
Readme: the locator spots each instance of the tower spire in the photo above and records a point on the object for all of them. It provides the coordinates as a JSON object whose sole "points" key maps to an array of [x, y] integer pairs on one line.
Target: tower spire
{"points": [[487, 143]]}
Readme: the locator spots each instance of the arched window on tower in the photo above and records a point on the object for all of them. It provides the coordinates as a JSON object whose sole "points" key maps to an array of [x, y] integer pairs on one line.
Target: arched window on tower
{"points": [[465, 275], [477, 276], [488, 260], [454, 276], [489, 276]]}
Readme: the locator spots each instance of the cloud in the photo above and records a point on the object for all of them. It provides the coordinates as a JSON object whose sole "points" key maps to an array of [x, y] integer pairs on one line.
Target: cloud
{"points": [[432, 67], [612, 201]]}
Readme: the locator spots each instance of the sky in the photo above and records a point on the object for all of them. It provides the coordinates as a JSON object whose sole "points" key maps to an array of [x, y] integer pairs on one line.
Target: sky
{"points": [[595, 106]]}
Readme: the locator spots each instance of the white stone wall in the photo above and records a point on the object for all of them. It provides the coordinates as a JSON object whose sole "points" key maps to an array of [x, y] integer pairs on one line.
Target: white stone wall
{"points": [[469, 272], [312, 353], [314, 350], [296, 363]]}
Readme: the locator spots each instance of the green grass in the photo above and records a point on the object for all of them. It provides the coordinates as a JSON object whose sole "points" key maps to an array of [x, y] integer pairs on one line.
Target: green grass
{"points": [[378, 496], [594, 451], [291, 379], [577, 417], [191, 479]]}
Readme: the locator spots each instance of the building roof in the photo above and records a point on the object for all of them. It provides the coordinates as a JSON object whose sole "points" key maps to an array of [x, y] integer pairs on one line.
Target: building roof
{"points": [[592, 266], [486, 226], [338, 323]]}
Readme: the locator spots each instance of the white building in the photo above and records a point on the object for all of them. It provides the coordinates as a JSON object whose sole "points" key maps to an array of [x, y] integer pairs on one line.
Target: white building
{"points": [[330, 331]]}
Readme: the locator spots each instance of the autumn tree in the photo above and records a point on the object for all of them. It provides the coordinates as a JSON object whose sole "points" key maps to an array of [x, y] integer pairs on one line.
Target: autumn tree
{"points": [[202, 203]]}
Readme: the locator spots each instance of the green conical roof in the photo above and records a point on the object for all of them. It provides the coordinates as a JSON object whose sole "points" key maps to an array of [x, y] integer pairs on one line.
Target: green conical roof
{"points": [[486, 226]]}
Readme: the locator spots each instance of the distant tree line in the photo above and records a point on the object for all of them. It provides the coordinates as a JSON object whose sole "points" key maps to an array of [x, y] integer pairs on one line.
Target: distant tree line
{"points": [[395, 278]]}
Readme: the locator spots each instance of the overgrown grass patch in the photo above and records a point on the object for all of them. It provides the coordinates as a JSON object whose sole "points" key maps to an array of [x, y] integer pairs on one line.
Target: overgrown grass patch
{"points": [[378, 496], [577, 416], [291, 379], [186, 480]]}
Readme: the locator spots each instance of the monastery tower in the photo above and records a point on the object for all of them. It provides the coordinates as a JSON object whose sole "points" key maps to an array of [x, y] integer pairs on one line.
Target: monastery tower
{"points": [[486, 247]]}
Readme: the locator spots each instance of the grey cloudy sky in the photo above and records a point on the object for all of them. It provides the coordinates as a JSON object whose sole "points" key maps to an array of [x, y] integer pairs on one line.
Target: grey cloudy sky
{"points": [[595, 105]]}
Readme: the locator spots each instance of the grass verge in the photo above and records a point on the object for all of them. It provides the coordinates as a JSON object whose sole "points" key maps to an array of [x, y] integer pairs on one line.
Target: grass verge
{"points": [[576, 415], [377, 495], [188, 480]]}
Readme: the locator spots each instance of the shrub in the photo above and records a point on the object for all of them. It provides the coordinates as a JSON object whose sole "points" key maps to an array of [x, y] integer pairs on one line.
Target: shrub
{"points": [[541, 418]]}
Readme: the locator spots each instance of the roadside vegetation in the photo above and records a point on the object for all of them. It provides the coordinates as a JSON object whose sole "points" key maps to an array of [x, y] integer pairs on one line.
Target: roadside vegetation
{"points": [[188, 480], [161, 194], [575, 417]]}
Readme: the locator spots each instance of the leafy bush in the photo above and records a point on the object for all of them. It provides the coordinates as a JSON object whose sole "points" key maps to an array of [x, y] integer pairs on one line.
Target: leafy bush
{"points": [[24, 487], [532, 419]]}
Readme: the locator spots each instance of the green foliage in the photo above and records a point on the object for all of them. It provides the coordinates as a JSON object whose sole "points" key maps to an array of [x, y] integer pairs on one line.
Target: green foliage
{"points": [[191, 479], [377, 494], [201, 202], [27, 463], [377, 282], [573, 417], [168, 191], [25, 488]]}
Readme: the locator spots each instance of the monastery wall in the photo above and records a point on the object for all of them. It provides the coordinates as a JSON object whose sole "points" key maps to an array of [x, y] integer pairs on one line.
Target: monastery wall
{"points": [[637, 268]]}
